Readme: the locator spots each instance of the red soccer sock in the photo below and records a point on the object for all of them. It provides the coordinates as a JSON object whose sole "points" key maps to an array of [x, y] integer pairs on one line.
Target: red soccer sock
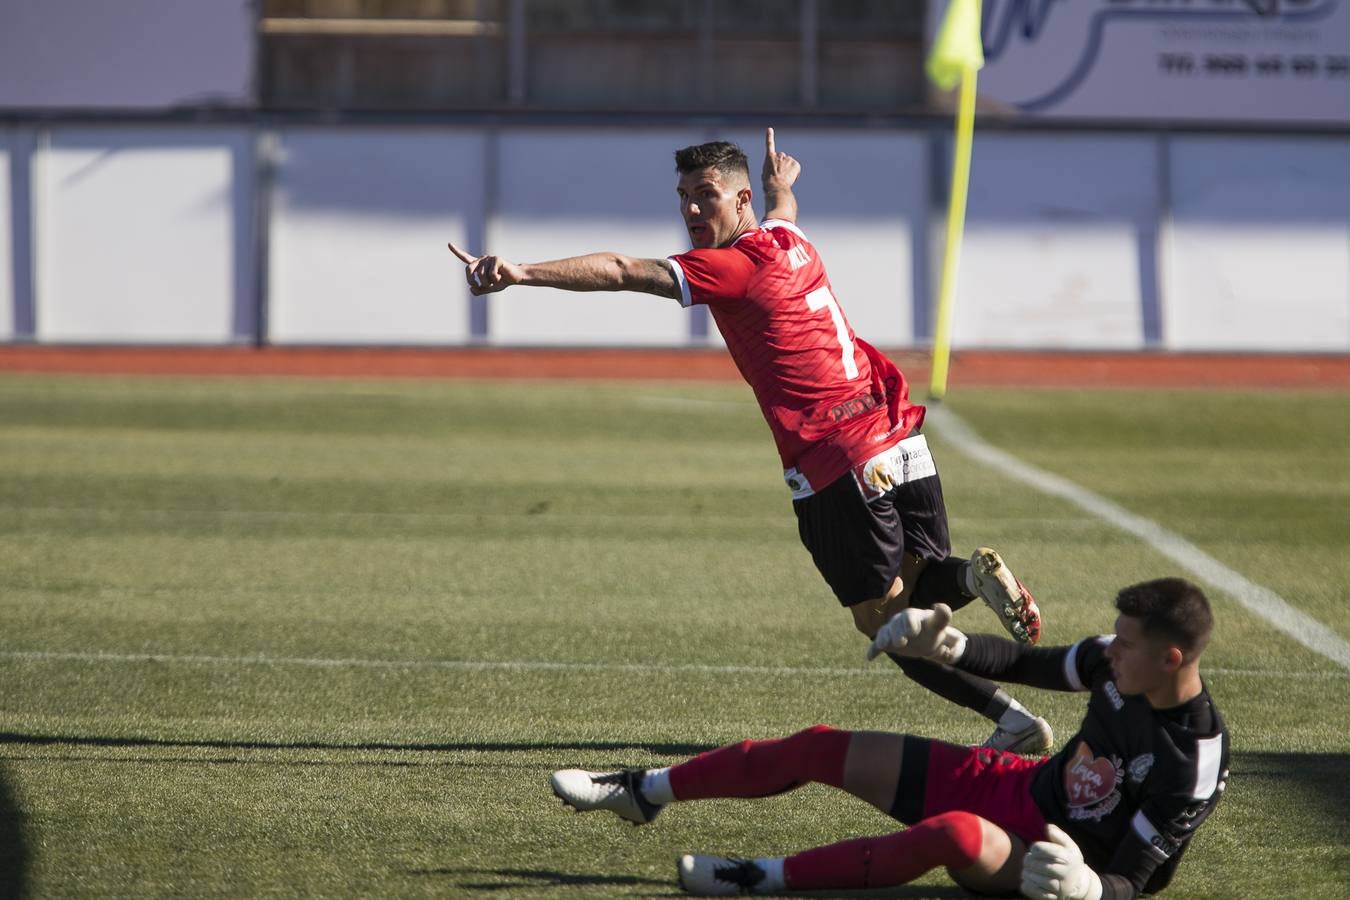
{"points": [[763, 768], [952, 839]]}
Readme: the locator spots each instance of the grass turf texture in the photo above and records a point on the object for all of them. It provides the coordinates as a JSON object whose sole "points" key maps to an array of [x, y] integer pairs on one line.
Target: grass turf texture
{"points": [[523, 577]]}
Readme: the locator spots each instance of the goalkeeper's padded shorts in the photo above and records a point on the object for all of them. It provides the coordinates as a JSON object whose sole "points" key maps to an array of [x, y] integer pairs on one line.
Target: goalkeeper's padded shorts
{"points": [[937, 777]]}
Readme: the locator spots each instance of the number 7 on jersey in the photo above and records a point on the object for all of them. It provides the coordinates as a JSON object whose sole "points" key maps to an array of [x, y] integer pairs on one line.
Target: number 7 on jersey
{"points": [[821, 298]]}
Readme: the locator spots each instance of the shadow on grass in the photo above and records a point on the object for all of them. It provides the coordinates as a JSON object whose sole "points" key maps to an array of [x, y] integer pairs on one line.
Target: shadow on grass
{"points": [[1317, 780], [515, 879], [661, 749], [13, 846]]}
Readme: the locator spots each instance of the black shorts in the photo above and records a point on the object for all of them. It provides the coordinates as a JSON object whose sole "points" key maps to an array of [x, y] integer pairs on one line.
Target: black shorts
{"points": [[857, 546]]}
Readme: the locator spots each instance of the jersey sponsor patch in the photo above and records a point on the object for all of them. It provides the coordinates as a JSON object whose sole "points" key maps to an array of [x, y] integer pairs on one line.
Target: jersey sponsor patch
{"points": [[1092, 783]]}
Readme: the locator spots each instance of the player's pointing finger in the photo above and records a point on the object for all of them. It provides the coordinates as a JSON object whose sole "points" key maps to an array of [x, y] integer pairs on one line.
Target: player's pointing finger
{"points": [[463, 257], [768, 141]]}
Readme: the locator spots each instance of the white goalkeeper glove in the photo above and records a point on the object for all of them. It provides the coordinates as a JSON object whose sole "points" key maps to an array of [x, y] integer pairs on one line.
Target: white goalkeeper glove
{"points": [[1053, 869], [925, 633]]}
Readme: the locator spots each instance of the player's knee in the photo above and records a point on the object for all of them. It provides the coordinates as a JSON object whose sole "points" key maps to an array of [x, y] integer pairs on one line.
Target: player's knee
{"points": [[817, 741], [814, 733], [819, 754], [807, 741], [961, 835]]}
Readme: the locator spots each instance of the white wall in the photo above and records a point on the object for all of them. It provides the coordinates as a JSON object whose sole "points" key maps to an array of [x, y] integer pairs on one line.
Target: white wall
{"points": [[1051, 254], [125, 54], [136, 233], [358, 232], [6, 239], [563, 192], [143, 233], [1258, 250]]}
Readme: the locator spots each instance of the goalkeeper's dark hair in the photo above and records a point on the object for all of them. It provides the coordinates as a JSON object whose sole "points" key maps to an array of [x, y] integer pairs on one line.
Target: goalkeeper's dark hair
{"points": [[723, 156], [1172, 609]]}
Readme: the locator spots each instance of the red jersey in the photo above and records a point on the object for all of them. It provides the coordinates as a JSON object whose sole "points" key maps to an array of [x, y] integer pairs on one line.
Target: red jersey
{"points": [[831, 400]]}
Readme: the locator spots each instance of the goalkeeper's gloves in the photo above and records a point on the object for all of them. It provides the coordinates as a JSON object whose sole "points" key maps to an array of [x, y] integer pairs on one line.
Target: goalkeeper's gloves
{"points": [[1053, 869], [924, 633]]}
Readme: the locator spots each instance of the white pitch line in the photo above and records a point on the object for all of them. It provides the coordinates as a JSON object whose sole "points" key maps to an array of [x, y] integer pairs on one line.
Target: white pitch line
{"points": [[469, 665], [1260, 600]]}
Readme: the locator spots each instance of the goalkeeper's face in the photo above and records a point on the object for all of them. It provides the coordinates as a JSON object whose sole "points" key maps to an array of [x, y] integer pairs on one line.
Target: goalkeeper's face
{"points": [[1140, 662]]}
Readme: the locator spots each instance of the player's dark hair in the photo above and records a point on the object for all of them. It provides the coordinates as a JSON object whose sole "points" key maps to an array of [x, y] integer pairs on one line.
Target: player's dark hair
{"points": [[723, 156], [1172, 609]]}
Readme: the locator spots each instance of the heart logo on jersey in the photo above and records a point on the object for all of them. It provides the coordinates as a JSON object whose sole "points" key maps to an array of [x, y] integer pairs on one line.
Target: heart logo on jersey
{"points": [[1089, 779]]}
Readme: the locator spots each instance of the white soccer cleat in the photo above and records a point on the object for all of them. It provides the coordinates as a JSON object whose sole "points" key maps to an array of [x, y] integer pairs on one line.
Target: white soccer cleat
{"points": [[1034, 740], [1002, 592], [618, 792], [719, 876]]}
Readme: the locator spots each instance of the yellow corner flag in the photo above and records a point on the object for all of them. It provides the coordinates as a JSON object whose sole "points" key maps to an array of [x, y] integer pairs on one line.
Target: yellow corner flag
{"points": [[957, 55], [957, 48]]}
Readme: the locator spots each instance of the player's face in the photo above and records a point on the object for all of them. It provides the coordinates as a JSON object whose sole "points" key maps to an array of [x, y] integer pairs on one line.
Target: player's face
{"points": [[711, 207], [1138, 661]]}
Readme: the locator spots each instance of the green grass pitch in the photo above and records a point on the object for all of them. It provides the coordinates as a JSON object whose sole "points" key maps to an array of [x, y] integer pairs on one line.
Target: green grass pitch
{"points": [[328, 638]]}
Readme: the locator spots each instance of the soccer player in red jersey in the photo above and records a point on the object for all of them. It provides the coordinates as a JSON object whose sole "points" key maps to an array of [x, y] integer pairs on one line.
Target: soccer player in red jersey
{"points": [[1106, 818], [864, 487]]}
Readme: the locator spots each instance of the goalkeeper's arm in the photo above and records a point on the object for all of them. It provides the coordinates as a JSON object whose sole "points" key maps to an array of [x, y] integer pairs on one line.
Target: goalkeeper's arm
{"points": [[929, 634], [920, 633], [1054, 869]]}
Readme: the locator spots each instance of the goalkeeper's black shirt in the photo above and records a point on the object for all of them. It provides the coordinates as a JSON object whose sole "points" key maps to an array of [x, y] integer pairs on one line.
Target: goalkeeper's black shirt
{"points": [[1133, 785]]}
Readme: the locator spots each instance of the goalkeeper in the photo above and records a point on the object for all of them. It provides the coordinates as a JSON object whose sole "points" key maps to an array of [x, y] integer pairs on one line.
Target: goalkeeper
{"points": [[1107, 817]]}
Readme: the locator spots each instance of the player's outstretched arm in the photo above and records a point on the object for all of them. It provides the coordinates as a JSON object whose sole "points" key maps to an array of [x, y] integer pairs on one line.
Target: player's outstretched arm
{"points": [[592, 272], [780, 173], [1049, 668]]}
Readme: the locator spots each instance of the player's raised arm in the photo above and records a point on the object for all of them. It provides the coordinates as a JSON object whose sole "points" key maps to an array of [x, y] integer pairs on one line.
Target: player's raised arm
{"points": [[592, 272], [780, 172]]}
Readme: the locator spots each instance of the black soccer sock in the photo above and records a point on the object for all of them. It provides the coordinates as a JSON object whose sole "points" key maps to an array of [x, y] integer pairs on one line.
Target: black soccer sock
{"points": [[942, 582], [962, 688]]}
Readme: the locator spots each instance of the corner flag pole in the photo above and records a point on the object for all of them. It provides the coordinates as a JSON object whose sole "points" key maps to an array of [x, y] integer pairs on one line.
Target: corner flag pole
{"points": [[957, 54]]}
